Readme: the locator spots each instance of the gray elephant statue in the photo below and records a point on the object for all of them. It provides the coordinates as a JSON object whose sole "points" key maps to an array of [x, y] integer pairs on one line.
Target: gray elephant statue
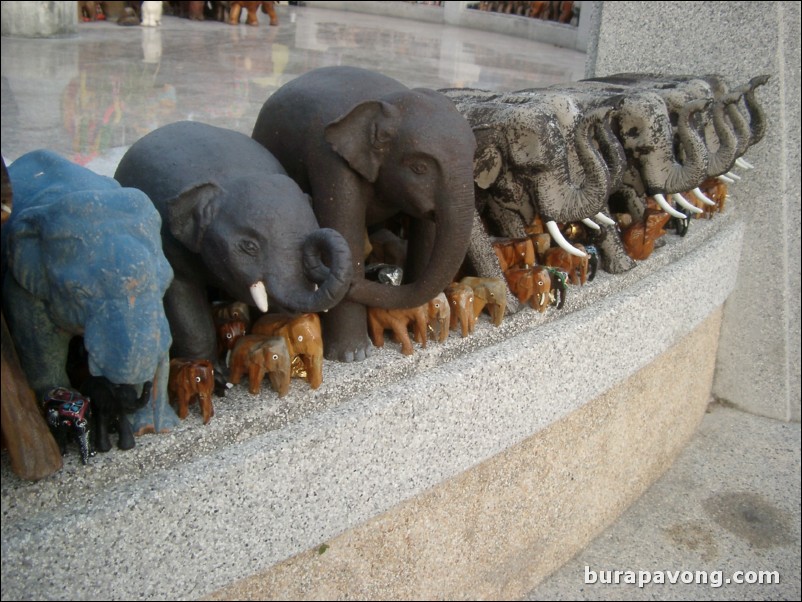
{"points": [[232, 221], [367, 148], [84, 257]]}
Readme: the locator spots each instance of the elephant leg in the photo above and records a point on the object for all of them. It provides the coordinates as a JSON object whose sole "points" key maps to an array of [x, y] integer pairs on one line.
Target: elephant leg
{"points": [[157, 416], [101, 434], [402, 336], [255, 375], [125, 434], [614, 257], [314, 370], [234, 13]]}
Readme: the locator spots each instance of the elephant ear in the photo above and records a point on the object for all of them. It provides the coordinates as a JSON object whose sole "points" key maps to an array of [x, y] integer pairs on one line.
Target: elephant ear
{"points": [[362, 136], [192, 212], [488, 160], [23, 246]]}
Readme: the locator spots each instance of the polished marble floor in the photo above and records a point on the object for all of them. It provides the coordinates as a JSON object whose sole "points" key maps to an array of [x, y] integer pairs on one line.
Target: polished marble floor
{"points": [[91, 95]]}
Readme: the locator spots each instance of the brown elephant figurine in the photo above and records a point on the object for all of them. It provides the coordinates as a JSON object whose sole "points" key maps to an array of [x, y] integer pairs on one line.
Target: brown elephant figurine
{"points": [[530, 285], [541, 297], [304, 340], [439, 314], [236, 311], [259, 354], [460, 300], [190, 381], [639, 238], [514, 252], [576, 267], [488, 294], [399, 321], [227, 335]]}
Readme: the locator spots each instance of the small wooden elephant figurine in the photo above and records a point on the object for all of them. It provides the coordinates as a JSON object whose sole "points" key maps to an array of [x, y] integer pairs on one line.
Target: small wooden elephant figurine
{"points": [[236, 311], [259, 354], [559, 280], [489, 294], [576, 267], [439, 314], [399, 321], [304, 339], [514, 252], [227, 335], [191, 381], [639, 238], [530, 285], [460, 300]]}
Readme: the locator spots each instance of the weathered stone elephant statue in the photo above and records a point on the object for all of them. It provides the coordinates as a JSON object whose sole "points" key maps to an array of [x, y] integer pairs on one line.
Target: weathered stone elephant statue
{"points": [[367, 148], [85, 257]]}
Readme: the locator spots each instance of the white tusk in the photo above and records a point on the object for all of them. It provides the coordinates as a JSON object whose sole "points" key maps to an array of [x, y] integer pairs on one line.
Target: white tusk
{"points": [[591, 224], [661, 200], [697, 192], [558, 237], [259, 294], [684, 203], [228, 357], [726, 180], [603, 219], [743, 163], [732, 175], [541, 299]]}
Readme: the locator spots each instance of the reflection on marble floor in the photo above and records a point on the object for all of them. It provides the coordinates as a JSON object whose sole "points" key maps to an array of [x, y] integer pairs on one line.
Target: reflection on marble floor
{"points": [[91, 95]]}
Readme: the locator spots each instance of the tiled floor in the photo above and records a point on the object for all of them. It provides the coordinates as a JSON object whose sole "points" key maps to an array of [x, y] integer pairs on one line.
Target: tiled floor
{"points": [[91, 95]]}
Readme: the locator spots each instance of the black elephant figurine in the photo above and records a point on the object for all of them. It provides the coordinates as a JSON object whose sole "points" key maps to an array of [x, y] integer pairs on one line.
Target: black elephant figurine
{"points": [[110, 404], [232, 221], [367, 148], [68, 414]]}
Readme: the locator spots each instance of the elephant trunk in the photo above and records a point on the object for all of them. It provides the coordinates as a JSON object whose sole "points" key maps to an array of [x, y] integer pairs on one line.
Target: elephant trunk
{"points": [[689, 174], [562, 200], [326, 261], [732, 138], [453, 222], [757, 117]]}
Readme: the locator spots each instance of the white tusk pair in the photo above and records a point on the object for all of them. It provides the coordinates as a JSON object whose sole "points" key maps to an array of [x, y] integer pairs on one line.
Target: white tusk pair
{"points": [[726, 180], [743, 163], [591, 224], [599, 217], [661, 200], [732, 175], [697, 192], [259, 294], [681, 201], [558, 237]]}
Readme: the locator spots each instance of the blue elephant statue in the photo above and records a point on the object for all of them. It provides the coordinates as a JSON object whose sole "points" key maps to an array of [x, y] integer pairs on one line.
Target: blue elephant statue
{"points": [[83, 256]]}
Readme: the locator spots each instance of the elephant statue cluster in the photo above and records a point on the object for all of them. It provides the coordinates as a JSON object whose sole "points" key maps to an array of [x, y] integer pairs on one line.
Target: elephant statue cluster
{"points": [[589, 157]]}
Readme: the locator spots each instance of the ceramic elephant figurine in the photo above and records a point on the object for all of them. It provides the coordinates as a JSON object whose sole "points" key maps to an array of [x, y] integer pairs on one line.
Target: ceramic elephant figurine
{"points": [[460, 300], [232, 220], [257, 355], [399, 321], [367, 148], [304, 339], [488, 294], [192, 381], [85, 257]]}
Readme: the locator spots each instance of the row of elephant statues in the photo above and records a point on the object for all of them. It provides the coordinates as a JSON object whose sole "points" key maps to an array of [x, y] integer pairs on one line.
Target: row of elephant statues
{"points": [[280, 219]]}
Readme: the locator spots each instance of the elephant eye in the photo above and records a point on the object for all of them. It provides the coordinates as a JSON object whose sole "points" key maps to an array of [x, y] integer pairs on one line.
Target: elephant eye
{"points": [[300, 338], [229, 335], [249, 247], [275, 357], [197, 379], [437, 306], [419, 167]]}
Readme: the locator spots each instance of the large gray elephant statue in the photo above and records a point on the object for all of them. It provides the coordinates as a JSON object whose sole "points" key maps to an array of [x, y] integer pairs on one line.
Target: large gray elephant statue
{"points": [[84, 257], [233, 221], [367, 148]]}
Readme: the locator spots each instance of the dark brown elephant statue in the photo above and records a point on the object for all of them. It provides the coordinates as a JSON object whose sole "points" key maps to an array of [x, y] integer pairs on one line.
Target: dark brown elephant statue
{"points": [[257, 355], [304, 341], [399, 321], [367, 149], [191, 381]]}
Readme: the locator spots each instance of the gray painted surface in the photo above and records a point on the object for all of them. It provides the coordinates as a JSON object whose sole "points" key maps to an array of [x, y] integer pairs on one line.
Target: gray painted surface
{"points": [[758, 366]]}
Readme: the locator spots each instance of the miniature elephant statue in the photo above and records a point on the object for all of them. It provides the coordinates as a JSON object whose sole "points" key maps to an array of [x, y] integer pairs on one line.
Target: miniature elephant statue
{"points": [[368, 148], [399, 321], [110, 404], [304, 340], [85, 257], [559, 286], [439, 317], [639, 238], [515, 252], [191, 381], [235, 311], [576, 267], [258, 355], [232, 220], [531, 285], [68, 415], [488, 294], [460, 300], [227, 335]]}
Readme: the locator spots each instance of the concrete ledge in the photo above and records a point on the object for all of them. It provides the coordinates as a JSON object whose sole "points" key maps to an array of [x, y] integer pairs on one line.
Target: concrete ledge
{"points": [[496, 530], [185, 514]]}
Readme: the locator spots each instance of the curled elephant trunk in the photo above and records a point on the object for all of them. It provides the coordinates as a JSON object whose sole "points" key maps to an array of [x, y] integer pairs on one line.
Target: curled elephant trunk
{"points": [[326, 261], [689, 174], [757, 117]]}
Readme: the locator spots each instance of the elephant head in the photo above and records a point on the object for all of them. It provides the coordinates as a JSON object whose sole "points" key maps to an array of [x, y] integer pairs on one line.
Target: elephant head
{"points": [[439, 317], [84, 257], [489, 294]]}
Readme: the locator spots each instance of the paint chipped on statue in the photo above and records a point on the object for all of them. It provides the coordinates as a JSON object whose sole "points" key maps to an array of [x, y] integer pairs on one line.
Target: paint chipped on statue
{"points": [[84, 257]]}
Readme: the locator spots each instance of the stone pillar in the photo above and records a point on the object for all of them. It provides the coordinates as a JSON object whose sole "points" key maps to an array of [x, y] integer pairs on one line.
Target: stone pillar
{"points": [[39, 19], [758, 364]]}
